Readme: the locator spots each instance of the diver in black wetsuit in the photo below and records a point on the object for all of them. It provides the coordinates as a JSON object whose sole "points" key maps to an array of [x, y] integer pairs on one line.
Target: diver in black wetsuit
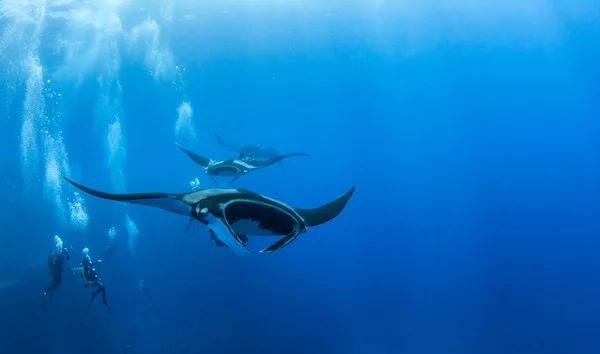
{"points": [[55, 266], [91, 277]]}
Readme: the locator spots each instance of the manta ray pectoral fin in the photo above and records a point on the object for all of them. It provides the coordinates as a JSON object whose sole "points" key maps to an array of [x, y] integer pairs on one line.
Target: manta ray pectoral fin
{"points": [[284, 241], [172, 202], [200, 160], [243, 238], [223, 233], [269, 162], [226, 144], [324, 213]]}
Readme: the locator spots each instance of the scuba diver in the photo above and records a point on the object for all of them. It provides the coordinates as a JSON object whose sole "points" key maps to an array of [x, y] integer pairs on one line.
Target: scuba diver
{"points": [[91, 277], [144, 292], [55, 266]]}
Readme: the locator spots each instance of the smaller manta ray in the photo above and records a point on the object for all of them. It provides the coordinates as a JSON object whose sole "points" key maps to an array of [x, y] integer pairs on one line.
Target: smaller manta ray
{"points": [[232, 214], [233, 167], [250, 151]]}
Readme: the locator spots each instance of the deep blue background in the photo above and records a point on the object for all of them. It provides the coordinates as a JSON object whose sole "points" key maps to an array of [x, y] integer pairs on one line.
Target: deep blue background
{"points": [[471, 133]]}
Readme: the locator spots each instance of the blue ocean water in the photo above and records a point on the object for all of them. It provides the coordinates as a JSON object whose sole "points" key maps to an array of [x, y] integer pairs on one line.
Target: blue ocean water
{"points": [[469, 128]]}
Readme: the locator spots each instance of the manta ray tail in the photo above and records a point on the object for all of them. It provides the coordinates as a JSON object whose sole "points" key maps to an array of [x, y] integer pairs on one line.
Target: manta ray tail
{"points": [[276, 159], [200, 160], [324, 213], [226, 144]]}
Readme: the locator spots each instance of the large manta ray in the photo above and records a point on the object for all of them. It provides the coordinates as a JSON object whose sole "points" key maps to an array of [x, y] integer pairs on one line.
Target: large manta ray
{"points": [[232, 214], [250, 151], [233, 167]]}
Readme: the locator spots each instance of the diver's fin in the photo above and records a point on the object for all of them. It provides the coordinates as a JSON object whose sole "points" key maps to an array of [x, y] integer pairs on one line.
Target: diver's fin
{"points": [[92, 299], [172, 202], [106, 302], [324, 213], [226, 144], [269, 162], [110, 309], [44, 299], [200, 160], [284, 241], [220, 230]]}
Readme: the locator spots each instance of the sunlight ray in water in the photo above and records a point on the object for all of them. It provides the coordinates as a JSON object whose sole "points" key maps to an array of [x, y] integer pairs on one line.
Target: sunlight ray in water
{"points": [[79, 214], [33, 112], [34, 103], [55, 153], [38, 123], [132, 234], [117, 154], [109, 115], [90, 40], [146, 38], [56, 166], [12, 65], [184, 126]]}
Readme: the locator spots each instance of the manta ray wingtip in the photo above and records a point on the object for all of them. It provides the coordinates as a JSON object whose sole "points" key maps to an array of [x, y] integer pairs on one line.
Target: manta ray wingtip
{"points": [[199, 159], [305, 154], [326, 212], [70, 181]]}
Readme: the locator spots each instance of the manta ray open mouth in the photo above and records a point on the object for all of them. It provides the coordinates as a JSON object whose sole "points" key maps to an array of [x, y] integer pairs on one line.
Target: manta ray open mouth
{"points": [[248, 217]]}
